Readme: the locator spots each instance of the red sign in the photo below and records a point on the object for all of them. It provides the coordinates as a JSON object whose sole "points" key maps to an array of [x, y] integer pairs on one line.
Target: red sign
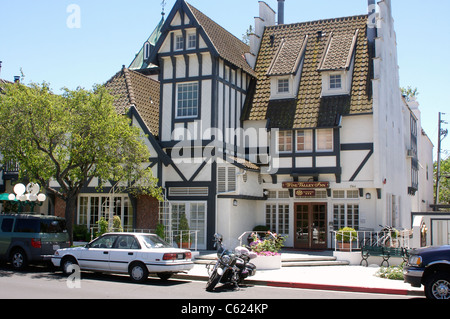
{"points": [[308, 185]]}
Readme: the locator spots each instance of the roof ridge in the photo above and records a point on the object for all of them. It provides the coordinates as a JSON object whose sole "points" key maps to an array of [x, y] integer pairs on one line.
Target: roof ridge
{"points": [[191, 6], [280, 26], [129, 86], [218, 35]]}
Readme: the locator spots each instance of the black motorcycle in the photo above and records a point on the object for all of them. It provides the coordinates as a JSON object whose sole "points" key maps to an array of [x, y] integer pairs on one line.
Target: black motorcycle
{"points": [[231, 267]]}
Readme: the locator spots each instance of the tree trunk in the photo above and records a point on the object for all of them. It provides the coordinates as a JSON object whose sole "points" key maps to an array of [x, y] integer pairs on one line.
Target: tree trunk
{"points": [[71, 202]]}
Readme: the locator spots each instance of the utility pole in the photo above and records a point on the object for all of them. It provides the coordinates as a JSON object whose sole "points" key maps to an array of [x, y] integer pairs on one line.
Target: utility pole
{"points": [[441, 136]]}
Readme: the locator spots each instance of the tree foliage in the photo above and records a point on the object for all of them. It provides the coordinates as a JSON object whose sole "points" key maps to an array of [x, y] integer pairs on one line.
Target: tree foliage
{"points": [[71, 138], [444, 187]]}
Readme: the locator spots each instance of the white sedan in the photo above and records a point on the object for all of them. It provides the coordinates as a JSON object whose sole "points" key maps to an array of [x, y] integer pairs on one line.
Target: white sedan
{"points": [[135, 254]]}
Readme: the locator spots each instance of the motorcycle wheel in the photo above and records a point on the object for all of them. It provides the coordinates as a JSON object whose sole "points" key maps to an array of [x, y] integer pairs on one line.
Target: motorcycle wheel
{"points": [[213, 281]]}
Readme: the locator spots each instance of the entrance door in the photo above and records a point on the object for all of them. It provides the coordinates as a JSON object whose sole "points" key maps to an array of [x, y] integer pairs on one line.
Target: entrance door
{"points": [[311, 226]]}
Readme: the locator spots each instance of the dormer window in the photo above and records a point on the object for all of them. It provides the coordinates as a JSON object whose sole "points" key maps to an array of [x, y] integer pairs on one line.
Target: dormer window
{"points": [[335, 81], [286, 68], [283, 86], [336, 65]]}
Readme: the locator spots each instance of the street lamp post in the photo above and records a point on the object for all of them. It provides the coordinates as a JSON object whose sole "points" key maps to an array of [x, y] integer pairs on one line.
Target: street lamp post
{"points": [[28, 195]]}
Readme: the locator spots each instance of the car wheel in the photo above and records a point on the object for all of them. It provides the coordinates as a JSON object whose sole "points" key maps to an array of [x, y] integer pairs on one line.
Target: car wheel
{"points": [[138, 272], [18, 259], [67, 264], [438, 286]]}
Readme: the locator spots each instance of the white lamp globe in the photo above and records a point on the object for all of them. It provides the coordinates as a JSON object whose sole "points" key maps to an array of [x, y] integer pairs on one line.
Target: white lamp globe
{"points": [[41, 197], [19, 189]]}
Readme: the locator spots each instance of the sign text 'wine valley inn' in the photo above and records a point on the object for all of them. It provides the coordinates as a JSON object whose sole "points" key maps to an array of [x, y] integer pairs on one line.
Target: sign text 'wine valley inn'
{"points": [[307, 185]]}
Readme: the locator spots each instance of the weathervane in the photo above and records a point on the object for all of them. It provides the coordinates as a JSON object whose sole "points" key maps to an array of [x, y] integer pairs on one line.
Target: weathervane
{"points": [[163, 5]]}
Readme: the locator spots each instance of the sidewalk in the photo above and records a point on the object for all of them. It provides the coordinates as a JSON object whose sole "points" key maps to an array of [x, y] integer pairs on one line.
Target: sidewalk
{"points": [[334, 278]]}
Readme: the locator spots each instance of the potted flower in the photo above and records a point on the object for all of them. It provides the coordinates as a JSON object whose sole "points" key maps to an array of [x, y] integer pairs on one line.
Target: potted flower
{"points": [[267, 250], [184, 238], [345, 237], [260, 231]]}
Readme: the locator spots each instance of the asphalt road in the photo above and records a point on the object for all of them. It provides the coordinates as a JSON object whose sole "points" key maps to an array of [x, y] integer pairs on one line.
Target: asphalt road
{"points": [[39, 282]]}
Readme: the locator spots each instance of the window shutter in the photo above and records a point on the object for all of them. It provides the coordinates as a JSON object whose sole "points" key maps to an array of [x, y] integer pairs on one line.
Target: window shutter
{"points": [[231, 179], [221, 180]]}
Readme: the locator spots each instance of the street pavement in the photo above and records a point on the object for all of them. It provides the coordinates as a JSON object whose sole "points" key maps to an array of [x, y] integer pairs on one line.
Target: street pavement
{"points": [[334, 278]]}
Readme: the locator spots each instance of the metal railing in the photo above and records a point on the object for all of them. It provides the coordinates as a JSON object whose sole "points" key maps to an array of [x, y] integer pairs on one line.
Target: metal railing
{"points": [[354, 241]]}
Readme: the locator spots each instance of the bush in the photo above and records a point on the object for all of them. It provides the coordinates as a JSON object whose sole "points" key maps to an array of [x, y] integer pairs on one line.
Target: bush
{"points": [[393, 272], [269, 246], [81, 233], [345, 234], [102, 227]]}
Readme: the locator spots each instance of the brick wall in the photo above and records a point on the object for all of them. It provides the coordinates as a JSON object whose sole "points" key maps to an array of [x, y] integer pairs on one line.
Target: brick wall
{"points": [[147, 212]]}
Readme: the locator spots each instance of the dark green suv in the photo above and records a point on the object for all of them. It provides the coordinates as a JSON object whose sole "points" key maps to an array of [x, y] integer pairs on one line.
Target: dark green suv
{"points": [[31, 238]]}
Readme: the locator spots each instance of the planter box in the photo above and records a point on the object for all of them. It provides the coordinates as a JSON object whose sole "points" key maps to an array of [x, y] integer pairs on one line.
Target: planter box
{"points": [[345, 246], [184, 245], [267, 262], [354, 258]]}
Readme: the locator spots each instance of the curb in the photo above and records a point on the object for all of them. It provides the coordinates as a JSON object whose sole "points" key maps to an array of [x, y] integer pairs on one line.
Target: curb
{"points": [[297, 285]]}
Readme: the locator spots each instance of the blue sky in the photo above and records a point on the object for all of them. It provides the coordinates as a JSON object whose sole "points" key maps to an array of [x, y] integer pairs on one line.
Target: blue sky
{"points": [[34, 36]]}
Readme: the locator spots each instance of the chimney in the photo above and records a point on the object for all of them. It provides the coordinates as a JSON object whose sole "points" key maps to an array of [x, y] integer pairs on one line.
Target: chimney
{"points": [[281, 12], [372, 22]]}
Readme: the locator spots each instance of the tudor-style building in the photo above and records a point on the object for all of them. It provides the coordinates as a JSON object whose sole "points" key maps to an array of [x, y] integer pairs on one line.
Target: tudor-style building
{"points": [[304, 131]]}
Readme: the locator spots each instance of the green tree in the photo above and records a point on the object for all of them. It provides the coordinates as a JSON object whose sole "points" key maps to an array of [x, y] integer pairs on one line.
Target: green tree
{"points": [[246, 35], [444, 187], [71, 138], [409, 92]]}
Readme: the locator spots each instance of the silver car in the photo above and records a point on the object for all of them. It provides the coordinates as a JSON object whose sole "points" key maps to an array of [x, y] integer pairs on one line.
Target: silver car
{"points": [[135, 254]]}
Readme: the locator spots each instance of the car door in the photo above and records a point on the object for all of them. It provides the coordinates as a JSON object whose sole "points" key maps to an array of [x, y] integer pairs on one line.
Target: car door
{"points": [[6, 226], [96, 255], [125, 251]]}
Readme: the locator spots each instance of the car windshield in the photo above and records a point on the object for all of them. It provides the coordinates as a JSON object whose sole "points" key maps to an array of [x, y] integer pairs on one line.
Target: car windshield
{"points": [[154, 241]]}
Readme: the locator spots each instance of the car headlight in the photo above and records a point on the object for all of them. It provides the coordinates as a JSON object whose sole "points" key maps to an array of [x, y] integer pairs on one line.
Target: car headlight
{"points": [[415, 261]]}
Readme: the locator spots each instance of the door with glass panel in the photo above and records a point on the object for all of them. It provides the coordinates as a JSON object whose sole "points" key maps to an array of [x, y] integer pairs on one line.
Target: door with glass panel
{"points": [[310, 226]]}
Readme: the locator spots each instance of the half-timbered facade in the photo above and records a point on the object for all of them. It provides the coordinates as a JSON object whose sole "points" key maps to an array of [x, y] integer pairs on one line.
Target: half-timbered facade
{"points": [[304, 130]]}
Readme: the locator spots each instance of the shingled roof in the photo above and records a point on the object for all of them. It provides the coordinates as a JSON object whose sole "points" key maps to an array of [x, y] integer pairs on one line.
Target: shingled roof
{"points": [[133, 88], [329, 43], [227, 45]]}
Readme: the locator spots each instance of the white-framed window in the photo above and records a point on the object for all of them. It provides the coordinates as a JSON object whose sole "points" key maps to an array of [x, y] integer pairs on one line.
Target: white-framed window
{"points": [[192, 41], [92, 208], [273, 194], [187, 100], [283, 86], [195, 213], [179, 43], [284, 141], [304, 140], [226, 179], [335, 81], [324, 140], [277, 218], [147, 48], [350, 194], [346, 215]]}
